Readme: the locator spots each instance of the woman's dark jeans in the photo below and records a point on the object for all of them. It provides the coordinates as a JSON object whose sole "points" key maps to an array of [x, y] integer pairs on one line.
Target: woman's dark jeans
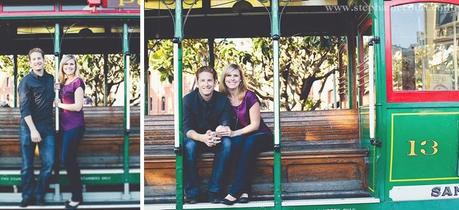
{"points": [[246, 149], [70, 141]]}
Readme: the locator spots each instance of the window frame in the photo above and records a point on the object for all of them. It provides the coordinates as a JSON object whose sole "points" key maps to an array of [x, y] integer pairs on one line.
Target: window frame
{"points": [[410, 95]]}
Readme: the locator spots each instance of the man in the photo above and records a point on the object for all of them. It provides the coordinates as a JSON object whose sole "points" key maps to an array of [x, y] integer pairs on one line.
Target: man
{"points": [[36, 95], [207, 116]]}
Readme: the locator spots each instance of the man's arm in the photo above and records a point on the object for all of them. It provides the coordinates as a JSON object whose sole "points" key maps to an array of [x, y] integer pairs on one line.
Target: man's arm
{"points": [[24, 101], [34, 134], [188, 121]]}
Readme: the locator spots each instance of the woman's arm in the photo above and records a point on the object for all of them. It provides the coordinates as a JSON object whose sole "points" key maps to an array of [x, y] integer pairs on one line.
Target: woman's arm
{"points": [[254, 114], [78, 105]]}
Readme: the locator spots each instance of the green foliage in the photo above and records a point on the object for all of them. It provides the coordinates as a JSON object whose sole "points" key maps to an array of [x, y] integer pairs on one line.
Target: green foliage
{"points": [[7, 65], [91, 69], [303, 60]]}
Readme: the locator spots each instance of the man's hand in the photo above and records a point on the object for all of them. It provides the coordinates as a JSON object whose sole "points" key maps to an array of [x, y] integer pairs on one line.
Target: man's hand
{"points": [[210, 138], [223, 131], [35, 136]]}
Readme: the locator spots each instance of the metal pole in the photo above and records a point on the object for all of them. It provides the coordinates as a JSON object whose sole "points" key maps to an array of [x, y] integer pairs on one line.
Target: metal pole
{"points": [[210, 42], [350, 79], [15, 81], [358, 69], [127, 126], [57, 52], [146, 80], [275, 34], [334, 90], [105, 79], [371, 83], [178, 116]]}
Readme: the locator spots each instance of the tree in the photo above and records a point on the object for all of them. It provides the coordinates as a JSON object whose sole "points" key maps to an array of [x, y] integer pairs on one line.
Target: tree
{"points": [[91, 69], [303, 61]]}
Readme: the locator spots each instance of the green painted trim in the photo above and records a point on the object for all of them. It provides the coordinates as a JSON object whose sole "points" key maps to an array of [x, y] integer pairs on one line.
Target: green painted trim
{"points": [[275, 33], [380, 85], [126, 103], [179, 156], [60, 17], [393, 115], [178, 34], [90, 179]]}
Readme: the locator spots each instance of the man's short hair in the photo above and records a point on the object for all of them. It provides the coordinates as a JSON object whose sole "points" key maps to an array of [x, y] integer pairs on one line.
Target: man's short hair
{"points": [[38, 50], [206, 69]]}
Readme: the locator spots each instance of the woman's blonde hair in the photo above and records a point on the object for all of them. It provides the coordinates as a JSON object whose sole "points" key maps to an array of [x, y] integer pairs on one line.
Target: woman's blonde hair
{"points": [[64, 60], [242, 88]]}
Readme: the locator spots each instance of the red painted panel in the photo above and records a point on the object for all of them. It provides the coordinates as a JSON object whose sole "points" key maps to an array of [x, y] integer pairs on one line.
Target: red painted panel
{"points": [[410, 96]]}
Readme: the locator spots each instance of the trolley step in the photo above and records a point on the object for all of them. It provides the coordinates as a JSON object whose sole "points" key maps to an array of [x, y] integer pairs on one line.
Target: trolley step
{"points": [[89, 176], [268, 204], [102, 205]]}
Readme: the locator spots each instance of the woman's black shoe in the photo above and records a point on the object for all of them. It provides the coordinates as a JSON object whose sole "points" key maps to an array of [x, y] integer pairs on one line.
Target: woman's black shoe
{"points": [[243, 200], [228, 202]]}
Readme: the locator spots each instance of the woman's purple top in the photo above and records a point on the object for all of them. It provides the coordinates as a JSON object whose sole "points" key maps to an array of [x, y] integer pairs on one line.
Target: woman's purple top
{"points": [[242, 113], [71, 119]]}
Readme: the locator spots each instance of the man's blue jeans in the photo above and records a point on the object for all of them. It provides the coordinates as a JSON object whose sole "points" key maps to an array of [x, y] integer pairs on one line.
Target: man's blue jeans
{"points": [[30, 188], [192, 150]]}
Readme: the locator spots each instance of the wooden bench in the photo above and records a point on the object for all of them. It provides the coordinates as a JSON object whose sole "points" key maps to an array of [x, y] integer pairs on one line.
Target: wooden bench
{"points": [[321, 157], [102, 145]]}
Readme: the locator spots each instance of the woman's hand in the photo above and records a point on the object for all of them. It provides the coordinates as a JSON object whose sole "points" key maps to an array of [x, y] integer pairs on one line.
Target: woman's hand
{"points": [[57, 102], [223, 131], [57, 86]]}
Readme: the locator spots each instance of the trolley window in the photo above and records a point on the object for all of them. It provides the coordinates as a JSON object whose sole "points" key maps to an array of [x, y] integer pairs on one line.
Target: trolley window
{"points": [[422, 48], [27, 5]]}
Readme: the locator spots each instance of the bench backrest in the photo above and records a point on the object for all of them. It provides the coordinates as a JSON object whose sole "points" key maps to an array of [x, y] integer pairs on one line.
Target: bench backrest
{"points": [[102, 142], [295, 126]]}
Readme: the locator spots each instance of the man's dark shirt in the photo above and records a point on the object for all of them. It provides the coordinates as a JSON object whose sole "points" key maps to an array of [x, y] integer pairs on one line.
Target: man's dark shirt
{"points": [[36, 96], [200, 115]]}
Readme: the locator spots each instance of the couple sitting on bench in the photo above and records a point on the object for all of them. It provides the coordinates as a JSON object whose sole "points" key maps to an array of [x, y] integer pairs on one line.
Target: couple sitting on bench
{"points": [[227, 123]]}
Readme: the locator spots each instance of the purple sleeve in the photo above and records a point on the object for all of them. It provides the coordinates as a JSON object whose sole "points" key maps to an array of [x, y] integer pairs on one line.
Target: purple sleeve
{"points": [[79, 83], [251, 98]]}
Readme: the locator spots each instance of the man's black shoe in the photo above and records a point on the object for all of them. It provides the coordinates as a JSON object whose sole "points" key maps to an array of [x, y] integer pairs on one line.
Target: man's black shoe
{"points": [[191, 200], [40, 202], [26, 202], [214, 197]]}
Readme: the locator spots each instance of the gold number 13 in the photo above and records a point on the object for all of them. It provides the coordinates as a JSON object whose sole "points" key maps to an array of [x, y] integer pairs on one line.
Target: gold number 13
{"points": [[434, 147]]}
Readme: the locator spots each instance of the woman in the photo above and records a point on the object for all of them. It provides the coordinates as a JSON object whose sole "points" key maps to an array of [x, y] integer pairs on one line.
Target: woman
{"points": [[252, 136], [71, 96]]}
